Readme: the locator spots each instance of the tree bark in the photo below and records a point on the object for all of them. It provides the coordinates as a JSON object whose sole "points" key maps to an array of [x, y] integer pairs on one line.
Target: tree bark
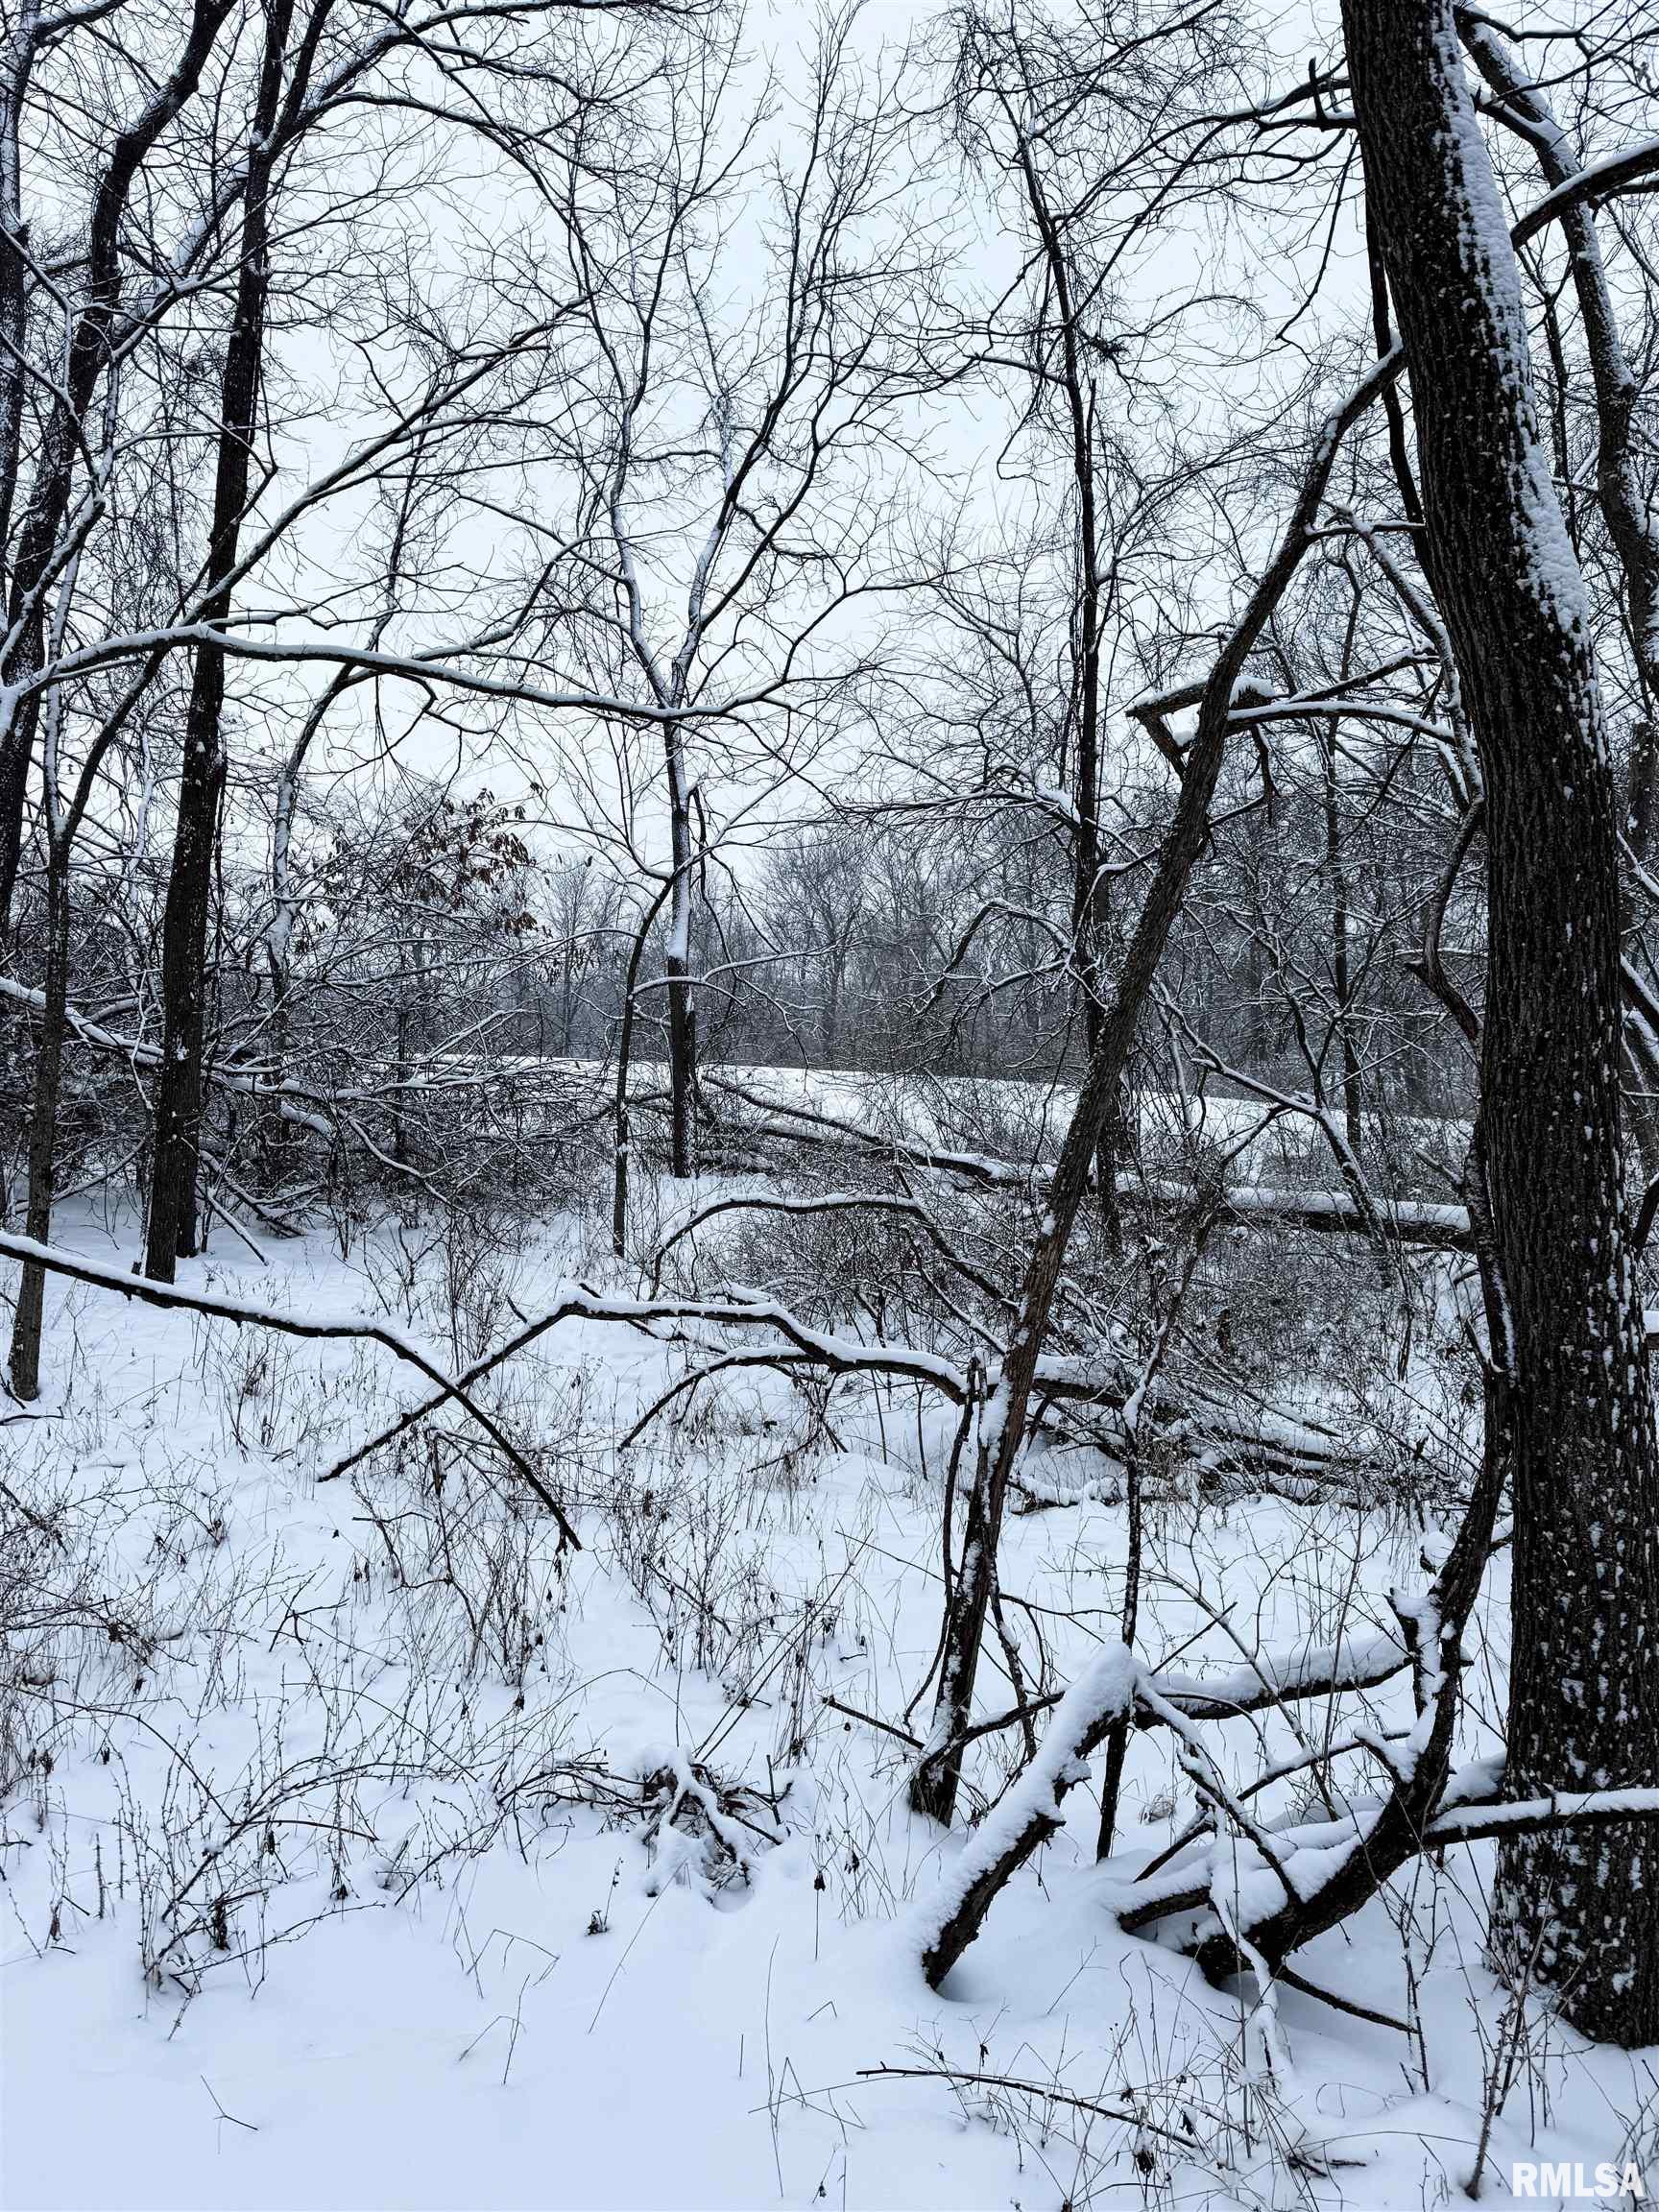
{"points": [[28, 1321], [17, 56], [1090, 917], [1632, 523], [1342, 979], [173, 1225], [681, 1012], [622, 1145], [1584, 1692]]}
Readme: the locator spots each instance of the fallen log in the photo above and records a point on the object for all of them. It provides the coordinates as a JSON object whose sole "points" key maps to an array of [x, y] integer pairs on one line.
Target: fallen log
{"points": [[1409, 1221]]}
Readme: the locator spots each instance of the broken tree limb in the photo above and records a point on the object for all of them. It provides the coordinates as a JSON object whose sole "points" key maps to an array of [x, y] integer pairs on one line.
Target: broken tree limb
{"points": [[318, 1328], [1245, 1933], [1304, 1846], [1030, 1811], [1242, 1922], [1115, 1688]]}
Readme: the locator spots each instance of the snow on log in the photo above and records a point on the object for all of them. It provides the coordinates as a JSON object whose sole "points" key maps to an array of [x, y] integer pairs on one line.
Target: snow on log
{"points": [[1029, 1813]]}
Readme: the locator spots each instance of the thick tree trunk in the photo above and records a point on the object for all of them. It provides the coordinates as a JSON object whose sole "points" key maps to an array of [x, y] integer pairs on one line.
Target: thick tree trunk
{"points": [[174, 1228], [1584, 1695], [27, 1321]]}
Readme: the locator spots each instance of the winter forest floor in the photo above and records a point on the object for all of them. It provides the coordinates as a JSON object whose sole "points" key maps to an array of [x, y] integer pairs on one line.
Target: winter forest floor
{"points": [[369, 1854]]}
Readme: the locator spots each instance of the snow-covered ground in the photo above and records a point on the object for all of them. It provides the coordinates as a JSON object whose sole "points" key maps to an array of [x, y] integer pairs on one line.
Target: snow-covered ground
{"points": [[367, 1853]]}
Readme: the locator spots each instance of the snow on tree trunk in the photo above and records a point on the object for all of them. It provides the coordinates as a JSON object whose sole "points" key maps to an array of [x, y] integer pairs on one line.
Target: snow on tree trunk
{"points": [[1584, 1698]]}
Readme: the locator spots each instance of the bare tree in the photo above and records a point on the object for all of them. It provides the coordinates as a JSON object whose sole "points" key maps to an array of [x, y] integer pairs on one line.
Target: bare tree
{"points": [[1082, 122], [733, 478]]}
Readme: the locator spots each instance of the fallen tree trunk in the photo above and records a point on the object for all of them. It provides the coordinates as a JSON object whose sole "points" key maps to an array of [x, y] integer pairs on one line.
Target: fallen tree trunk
{"points": [[1409, 1221]]}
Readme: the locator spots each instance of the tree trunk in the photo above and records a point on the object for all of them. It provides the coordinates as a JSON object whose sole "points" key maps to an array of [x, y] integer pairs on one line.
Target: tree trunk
{"points": [[16, 62], [275, 1142], [1584, 1692], [1091, 918], [681, 1014], [1096, 1121], [62, 443], [622, 1142], [1342, 979], [1631, 523], [174, 1227], [26, 1325]]}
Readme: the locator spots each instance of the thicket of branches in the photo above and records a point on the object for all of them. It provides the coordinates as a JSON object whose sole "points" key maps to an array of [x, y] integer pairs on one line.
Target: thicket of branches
{"points": [[1096, 581]]}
